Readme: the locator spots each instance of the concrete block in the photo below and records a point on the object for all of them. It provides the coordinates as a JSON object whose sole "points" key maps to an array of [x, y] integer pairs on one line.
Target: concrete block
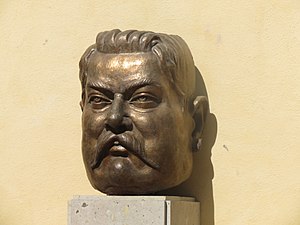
{"points": [[133, 210]]}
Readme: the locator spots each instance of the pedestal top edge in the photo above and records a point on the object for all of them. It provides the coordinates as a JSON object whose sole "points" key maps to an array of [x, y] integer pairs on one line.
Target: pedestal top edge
{"points": [[129, 197]]}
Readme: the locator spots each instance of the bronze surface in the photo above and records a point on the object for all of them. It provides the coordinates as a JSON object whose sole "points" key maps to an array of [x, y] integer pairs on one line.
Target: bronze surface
{"points": [[141, 118]]}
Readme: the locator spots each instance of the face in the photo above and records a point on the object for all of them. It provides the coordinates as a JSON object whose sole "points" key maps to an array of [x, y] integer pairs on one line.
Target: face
{"points": [[136, 133]]}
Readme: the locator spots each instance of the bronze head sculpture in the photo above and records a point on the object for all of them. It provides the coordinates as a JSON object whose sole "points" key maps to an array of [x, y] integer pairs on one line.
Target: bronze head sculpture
{"points": [[139, 112]]}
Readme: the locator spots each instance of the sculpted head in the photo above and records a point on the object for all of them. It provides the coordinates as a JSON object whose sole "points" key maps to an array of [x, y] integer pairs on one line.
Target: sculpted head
{"points": [[139, 112]]}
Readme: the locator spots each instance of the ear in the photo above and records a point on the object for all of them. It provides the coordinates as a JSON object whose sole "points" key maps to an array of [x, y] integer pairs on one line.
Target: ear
{"points": [[200, 109], [81, 105]]}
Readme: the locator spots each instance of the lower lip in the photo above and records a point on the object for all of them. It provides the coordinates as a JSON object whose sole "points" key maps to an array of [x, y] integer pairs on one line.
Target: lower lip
{"points": [[118, 150]]}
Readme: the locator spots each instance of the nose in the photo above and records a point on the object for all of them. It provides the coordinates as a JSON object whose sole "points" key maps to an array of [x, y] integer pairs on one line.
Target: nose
{"points": [[117, 121]]}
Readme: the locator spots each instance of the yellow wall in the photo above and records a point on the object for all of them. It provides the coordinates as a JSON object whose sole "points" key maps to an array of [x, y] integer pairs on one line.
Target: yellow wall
{"points": [[248, 53]]}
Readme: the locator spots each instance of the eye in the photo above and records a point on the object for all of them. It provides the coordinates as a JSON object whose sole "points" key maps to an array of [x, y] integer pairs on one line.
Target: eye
{"points": [[145, 101], [99, 102]]}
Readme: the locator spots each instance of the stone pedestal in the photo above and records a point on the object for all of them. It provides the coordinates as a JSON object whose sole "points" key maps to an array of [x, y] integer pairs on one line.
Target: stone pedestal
{"points": [[133, 210]]}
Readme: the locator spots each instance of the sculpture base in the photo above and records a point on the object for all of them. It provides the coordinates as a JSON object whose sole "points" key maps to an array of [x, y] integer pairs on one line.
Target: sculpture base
{"points": [[131, 210]]}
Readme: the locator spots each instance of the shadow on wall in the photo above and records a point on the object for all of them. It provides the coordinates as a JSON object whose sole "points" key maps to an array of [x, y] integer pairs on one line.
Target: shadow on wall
{"points": [[199, 185]]}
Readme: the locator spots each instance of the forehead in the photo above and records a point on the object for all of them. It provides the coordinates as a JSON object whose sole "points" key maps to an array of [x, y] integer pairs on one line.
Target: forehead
{"points": [[124, 67]]}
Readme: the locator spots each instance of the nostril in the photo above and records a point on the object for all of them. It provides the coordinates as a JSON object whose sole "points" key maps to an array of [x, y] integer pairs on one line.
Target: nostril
{"points": [[115, 129], [122, 126]]}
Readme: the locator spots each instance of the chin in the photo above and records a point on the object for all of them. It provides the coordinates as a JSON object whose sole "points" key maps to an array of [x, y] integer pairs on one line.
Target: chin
{"points": [[128, 184], [118, 176], [134, 185]]}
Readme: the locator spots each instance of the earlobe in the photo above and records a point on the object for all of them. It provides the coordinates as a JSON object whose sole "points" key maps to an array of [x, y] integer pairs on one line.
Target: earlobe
{"points": [[200, 109]]}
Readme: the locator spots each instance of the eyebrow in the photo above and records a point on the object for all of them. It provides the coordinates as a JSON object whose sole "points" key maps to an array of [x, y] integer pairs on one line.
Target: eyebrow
{"points": [[101, 87], [142, 83], [98, 86], [106, 89]]}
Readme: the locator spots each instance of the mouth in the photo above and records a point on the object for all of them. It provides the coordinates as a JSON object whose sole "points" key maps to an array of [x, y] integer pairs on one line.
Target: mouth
{"points": [[117, 150], [121, 146], [114, 147]]}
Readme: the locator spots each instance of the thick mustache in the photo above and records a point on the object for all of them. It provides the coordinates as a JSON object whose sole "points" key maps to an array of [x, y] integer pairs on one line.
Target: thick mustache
{"points": [[132, 144]]}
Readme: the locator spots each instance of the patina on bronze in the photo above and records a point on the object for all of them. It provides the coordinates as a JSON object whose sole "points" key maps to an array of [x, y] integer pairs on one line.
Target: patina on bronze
{"points": [[139, 109]]}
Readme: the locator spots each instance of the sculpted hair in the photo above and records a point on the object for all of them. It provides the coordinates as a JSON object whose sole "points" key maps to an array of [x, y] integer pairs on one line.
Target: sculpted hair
{"points": [[172, 52]]}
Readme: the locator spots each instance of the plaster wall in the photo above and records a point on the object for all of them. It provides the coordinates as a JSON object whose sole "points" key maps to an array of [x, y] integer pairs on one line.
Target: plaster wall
{"points": [[248, 53]]}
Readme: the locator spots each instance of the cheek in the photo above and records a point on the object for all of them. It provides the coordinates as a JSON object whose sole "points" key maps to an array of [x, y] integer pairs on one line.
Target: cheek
{"points": [[92, 124], [152, 125], [158, 129]]}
